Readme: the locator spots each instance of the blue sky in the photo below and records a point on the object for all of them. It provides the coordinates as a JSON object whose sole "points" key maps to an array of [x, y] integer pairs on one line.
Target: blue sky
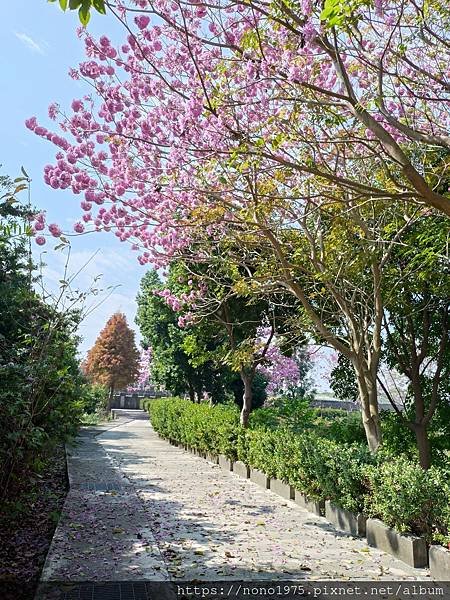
{"points": [[38, 45]]}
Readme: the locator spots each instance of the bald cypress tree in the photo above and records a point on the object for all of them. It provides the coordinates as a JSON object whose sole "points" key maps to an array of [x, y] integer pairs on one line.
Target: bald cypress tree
{"points": [[114, 359]]}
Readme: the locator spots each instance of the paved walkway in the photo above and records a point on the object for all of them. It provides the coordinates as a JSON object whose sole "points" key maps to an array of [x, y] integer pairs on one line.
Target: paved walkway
{"points": [[140, 509]]}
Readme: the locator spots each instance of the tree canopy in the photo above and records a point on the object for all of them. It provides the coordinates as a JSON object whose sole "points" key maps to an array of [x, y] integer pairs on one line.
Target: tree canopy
{"points": [[113, 361], [301, 146]]}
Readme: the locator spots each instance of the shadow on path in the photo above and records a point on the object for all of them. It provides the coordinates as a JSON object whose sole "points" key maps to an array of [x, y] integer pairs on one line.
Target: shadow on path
{"points": [[140, 510]]}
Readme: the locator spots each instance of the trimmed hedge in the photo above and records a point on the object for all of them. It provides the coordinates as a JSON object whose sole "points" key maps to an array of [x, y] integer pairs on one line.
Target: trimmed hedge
{"points": [[210, 429], [408, 498], [395, 490]]}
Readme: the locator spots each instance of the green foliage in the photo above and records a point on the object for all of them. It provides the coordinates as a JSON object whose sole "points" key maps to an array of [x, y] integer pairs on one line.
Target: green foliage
{"points": [[208, 428], [95, 398], [416, 296], [194, 359], [400, 440], [343, 380], [339, 470], [408, 498], [84, 8], [338, 13], [344, 427], [260, 446], [295, 413], [397, 439], [182, 359], [40, 378], [394, 489]]}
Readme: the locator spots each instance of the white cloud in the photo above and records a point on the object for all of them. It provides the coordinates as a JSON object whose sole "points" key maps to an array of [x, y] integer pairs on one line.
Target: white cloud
{"points": [[29, 42]]}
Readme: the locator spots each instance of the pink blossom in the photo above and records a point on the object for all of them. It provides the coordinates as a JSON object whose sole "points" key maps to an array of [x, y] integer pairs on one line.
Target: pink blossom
{"points": [[78, 227], [40, 240], [142, 21], [55, 230], [31, 123], [53, 111], [77, 105], [150, 146]]}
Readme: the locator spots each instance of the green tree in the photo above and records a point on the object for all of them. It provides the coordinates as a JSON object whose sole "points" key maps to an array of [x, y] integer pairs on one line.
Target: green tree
{"points": [[181, 359], [245, 324], [40, 379], [417, 327]]}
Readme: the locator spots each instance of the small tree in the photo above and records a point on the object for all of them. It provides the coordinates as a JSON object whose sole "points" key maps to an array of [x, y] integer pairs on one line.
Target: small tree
{"points": [[215, 295], [175, 365], [114, 359]]}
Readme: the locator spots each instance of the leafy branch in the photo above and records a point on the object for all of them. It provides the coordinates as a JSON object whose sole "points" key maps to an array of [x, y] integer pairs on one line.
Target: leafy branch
{"points": [[84, 8]]}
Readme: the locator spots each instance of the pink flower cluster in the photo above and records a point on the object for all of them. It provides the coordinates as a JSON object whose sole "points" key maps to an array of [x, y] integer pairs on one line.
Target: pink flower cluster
{"points": [[179, 302], [144, 373], [162, 146], [282, 371]]}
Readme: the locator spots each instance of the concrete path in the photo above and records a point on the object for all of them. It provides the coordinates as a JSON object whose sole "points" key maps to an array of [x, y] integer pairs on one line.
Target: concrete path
{"points": [[140, 509]]}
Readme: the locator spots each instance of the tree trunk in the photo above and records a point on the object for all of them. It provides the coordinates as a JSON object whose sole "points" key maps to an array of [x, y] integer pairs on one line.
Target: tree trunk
{"points": [[247, 398], [368, 399], [419, 426], [199, 393], [191, 391], [423, 445], [110, 399], [373, 433]]}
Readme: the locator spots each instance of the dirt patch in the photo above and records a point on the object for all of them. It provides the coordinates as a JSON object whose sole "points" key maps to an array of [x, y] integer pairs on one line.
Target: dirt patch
{"points": [[27, 525]]}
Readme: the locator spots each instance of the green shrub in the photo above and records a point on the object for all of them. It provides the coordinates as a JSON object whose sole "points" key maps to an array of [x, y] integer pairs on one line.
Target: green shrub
{"points": [[340, 473], [95, 398], [442, 531], [331, 413], [397, 438], [408, 498], [394, 489], [264, 417], [323, 469], [208, 428], [261, 445], [345, 428], [294, 413]]}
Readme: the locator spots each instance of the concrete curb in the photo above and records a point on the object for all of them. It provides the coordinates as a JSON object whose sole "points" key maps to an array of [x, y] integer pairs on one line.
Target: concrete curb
{"points": [[344, 520], [316, 507], [225, 463], [260, 478], [439, 563], [410, 549], [241, 469], [282, 489]]}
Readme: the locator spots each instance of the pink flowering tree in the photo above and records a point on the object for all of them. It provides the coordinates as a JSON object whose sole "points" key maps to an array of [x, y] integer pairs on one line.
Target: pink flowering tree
{"points": [[144, 371], [282, 371], [247, 122], [243, 328]]}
